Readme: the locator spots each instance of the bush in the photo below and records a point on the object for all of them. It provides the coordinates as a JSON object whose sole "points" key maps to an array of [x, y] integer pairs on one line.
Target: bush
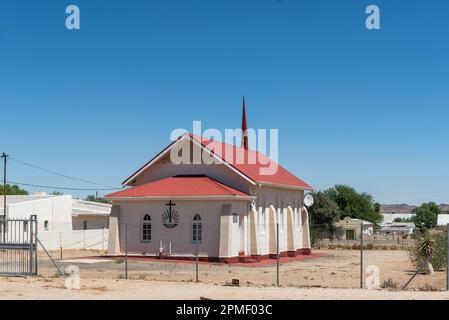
{"points": [[389, 284], [432, 244]]}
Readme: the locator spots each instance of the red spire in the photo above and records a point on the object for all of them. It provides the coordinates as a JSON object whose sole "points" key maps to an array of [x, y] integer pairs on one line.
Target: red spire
{"points": [[244, 127]]}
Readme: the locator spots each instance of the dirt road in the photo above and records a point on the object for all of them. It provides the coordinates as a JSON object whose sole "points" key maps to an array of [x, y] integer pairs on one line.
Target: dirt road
{"points": [[54, 289]]}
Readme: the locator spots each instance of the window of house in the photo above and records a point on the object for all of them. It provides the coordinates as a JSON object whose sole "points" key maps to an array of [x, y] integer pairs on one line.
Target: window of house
{"points": [[146, 228], [45, 224], [197, 229], [84, 225], [235, 218]]}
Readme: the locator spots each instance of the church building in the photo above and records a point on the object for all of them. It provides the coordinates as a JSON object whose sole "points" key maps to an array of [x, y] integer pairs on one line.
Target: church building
{"points": [[227, 211]]}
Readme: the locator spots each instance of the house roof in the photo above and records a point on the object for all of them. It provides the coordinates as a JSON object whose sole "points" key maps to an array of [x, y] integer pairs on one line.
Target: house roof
{"points": [[181, 186], [252, 166], [90, 208]]}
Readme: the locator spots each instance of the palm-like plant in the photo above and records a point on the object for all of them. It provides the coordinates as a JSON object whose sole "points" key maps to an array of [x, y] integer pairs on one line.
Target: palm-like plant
{"points": [[426, 251]]}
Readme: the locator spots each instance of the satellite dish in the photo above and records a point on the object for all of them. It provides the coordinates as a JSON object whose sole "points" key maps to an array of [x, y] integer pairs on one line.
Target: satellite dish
{"points": [[308, 200]]}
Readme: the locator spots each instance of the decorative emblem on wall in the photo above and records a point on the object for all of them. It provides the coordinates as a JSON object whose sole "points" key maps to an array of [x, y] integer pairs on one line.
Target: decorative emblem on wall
{"points": [[170, 217]]}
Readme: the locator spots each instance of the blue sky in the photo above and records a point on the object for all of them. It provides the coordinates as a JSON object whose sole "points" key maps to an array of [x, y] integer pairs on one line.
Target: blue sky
{"points": [[364, 108]]}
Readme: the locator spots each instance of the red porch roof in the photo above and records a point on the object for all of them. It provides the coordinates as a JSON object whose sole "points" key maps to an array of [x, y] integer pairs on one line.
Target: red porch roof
{"points": [[182, 186]]}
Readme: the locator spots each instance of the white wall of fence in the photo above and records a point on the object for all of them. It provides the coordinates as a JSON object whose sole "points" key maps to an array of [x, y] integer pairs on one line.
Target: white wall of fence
{"points": [[96, 239]]}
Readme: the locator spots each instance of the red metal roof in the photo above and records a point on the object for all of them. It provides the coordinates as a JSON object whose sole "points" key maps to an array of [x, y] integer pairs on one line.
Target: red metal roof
{"points": [[182, 186], [252, 169]]}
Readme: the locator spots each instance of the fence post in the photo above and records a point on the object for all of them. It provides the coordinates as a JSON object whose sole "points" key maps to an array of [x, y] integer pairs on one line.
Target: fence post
{"points": [[34, 218], [60, 244], [447, 258], [126, 251], [102, 238], [196, 259], [361, 255], [277, 252]]}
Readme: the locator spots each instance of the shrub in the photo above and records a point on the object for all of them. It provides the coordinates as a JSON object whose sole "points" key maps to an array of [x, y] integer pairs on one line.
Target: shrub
{"points": [[389, 284], [432, 246]]}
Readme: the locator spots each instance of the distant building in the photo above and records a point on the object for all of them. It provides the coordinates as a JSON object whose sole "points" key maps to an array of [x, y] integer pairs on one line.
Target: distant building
{"points": [[397, 228], [62, 221], [352, 227], [443, 220], [391, 212]]}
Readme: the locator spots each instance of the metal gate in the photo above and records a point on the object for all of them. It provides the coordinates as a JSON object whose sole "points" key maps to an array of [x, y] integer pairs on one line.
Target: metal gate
{"points": [[18, 247]]}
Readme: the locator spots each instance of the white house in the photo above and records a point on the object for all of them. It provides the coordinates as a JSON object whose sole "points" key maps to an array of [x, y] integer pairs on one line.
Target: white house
{"points": [[227, 210], [352, 227], [62, 221], [391, 212], [443, 219]]}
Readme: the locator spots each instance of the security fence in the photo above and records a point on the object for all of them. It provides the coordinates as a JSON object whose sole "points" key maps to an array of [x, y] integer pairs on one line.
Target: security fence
{"points": [[190, 252]]}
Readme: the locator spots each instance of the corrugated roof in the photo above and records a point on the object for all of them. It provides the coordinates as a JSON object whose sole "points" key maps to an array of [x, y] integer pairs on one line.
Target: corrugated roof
{"points": [[181, 186]]}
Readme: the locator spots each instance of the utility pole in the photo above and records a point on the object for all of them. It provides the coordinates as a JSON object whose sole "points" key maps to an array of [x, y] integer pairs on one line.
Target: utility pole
{"points": [[4, 156]]}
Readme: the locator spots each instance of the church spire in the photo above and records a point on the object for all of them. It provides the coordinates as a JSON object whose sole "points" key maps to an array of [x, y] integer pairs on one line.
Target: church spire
{"points": [[244, 127]]}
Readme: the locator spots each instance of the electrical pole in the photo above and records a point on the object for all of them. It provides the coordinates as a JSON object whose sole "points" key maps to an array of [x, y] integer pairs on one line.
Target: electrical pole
{"points": [[4, 156]]}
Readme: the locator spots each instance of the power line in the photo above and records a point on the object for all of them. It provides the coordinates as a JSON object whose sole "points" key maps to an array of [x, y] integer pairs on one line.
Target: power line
{"points": [[62, 175], [59, 188]]}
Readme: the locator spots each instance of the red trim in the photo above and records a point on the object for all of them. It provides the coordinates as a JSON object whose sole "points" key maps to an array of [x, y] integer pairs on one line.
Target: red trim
{"points": [[248, 261], [304, 251]]}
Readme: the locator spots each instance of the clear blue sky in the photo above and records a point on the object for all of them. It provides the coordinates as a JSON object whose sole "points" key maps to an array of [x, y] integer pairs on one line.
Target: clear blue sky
{"points": [[365, 108]]}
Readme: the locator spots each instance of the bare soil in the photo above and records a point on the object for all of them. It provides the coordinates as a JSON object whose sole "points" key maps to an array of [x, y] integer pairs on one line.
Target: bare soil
{"points": [[54, 289], [333, 269]]}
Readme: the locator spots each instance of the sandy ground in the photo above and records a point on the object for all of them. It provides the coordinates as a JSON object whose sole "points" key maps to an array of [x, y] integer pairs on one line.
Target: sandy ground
{"points": [[334, 269], [54, 289], [334, 274]]}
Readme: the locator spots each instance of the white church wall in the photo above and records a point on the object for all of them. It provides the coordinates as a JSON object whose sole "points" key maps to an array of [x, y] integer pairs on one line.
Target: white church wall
{"points": [[281, 199], [180, 237]]}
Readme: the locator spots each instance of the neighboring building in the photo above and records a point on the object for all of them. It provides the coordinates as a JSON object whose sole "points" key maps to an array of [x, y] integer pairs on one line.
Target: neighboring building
{"points": [[397, 228], [390, 212], [443, 220], [89, 215], [352, 228], [228, 210], [72, 223]]}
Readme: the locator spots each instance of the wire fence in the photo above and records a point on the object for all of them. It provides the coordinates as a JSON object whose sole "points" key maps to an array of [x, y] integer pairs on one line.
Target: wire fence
{"points": [[356, 257]]}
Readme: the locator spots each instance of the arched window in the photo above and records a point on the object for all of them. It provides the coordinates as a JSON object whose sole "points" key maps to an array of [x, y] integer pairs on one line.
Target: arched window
{"points": [[146, 228], [197, 230]]}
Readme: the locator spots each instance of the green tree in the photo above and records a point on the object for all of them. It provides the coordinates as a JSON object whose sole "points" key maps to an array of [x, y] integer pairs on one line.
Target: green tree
{"points": [[354, 204], [377, 207], [57, 193], [426, 216], [95, 199], [12, 190], [324, 211]]}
